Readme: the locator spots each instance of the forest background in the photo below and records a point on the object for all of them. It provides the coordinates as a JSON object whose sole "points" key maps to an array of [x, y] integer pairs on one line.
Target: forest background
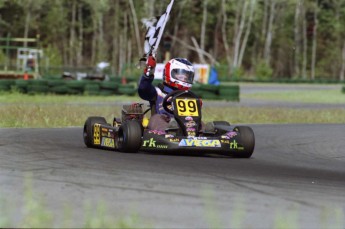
{"points": [[266, 39]]}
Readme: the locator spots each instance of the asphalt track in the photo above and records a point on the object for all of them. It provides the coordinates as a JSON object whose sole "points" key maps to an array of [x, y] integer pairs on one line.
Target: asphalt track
{"points": [[296, 174], [295, 178]]}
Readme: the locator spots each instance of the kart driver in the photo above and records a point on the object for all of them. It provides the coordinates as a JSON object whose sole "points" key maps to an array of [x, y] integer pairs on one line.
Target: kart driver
{"points": [[178, 74]]}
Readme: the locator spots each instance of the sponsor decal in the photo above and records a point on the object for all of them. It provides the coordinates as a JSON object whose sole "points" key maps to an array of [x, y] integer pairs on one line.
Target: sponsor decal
{"points": [[225, 141], [152, 144], [235, 145], [188, 118], [96, 134], [191, 134], [149, 143], [159, 132], [201, 138], [202, 143], [169, 136], [231, 134], [190, 124], [108, 142], [174, 140]]}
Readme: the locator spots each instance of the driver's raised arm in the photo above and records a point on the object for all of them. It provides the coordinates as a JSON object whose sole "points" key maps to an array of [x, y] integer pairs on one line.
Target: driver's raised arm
{"points": [[146, 90]]}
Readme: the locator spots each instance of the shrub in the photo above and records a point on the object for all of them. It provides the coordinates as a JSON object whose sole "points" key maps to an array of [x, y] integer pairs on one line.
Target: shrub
{"points": [[263, 71]]}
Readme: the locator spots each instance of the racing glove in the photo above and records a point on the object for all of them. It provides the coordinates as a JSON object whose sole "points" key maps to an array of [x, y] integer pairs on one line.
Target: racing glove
{"points": [[150, 66]]}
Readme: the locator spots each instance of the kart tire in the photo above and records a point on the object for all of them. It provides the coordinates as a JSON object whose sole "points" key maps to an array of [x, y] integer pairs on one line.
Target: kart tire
{"points": [[247, 139], [129, 136], [88, 129]]}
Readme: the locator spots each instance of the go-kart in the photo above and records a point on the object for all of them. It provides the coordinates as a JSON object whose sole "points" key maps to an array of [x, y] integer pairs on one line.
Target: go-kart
{"points": [[131, 134]]}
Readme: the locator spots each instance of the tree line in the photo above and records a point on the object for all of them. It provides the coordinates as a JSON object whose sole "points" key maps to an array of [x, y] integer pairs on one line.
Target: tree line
{"points": [[297, 39]]}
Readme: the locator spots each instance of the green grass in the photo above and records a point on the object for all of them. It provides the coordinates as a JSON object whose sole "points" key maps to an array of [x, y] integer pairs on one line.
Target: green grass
{"points": [[18, 110], [324, 96], [264, 115], [64, 115], [301, 93], [34, 213]]}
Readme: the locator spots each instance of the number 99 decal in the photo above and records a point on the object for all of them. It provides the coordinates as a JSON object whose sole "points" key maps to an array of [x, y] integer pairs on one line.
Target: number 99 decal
{"points": [[187, 107]]}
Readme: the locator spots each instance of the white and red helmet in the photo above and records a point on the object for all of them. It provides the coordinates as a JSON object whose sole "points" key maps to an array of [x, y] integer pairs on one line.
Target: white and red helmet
{"points": [[179, 73]]}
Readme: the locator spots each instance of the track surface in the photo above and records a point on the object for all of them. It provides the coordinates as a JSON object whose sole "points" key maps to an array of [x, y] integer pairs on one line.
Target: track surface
{"points": [[296, 175]]}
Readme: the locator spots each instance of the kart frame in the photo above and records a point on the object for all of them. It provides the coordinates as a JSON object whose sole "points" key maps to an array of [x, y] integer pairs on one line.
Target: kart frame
{"points": [[129, 134]]}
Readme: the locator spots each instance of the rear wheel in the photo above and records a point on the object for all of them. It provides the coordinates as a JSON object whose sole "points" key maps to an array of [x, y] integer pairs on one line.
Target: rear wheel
{"points": [[129, 136], [247, 139], [88, 129]]}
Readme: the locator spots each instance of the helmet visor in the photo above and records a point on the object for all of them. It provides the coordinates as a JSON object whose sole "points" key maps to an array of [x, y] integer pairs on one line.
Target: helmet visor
{"points": [[183, 75]]}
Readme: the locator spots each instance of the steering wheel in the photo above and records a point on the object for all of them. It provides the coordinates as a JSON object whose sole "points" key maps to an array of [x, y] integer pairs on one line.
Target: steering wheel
{"points": [[167, 101]]}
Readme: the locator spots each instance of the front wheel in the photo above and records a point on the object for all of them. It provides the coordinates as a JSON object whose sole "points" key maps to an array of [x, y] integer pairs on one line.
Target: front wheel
{"points": [[88, 129], [129, 137], [247, 139]]}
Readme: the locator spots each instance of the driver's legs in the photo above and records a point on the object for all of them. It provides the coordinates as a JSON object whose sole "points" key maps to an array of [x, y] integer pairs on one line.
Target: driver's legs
{"points": [[159, 122]]}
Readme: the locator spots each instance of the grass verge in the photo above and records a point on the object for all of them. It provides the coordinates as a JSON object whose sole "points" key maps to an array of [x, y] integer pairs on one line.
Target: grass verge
{"points": [[65, 115], [45, 111], [34, 213]]}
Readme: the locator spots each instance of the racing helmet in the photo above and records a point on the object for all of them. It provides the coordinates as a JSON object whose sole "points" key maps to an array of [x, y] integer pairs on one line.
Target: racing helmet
{"points": [[179, 73]]}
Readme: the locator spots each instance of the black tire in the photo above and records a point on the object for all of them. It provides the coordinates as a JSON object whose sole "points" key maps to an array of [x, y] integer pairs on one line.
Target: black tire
{"points": [[88, 129], [129, 137], [247, 138]]}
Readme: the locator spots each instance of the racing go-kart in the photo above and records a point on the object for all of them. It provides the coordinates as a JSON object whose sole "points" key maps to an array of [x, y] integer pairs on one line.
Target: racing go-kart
{"points": [[131, 134]]}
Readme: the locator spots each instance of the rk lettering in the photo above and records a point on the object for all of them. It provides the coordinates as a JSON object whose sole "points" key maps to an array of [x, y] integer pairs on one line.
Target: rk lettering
{"points": [[149, 143], [233, 145]]}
